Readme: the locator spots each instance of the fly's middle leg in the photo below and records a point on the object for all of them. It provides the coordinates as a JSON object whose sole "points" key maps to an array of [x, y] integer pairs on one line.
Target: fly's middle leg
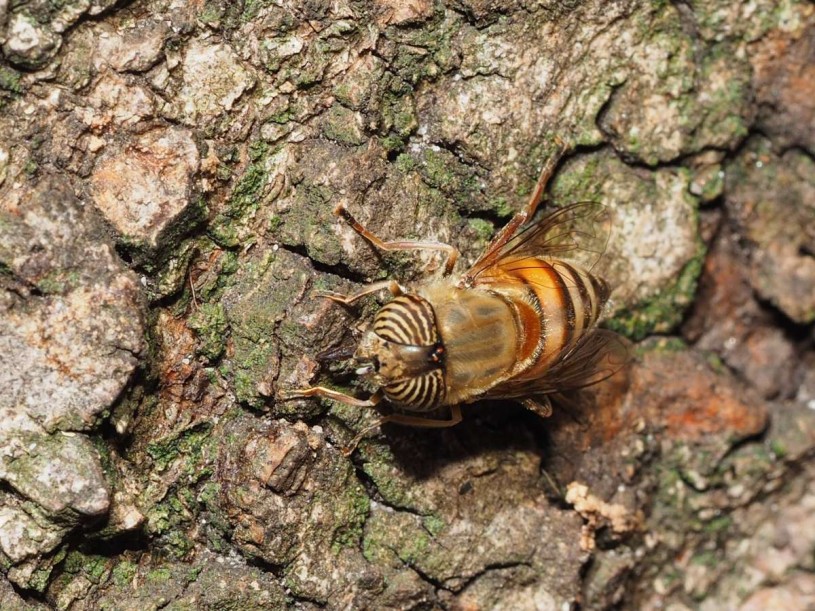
{"points": [[452, 252], [347, 300]]}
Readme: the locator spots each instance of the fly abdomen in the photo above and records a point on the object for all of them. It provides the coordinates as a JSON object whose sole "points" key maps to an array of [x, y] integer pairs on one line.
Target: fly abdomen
{"points": [[569, 301]]}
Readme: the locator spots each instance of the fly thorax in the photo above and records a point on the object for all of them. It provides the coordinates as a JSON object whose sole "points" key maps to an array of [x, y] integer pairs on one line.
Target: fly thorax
{"points": [[405, 350]]}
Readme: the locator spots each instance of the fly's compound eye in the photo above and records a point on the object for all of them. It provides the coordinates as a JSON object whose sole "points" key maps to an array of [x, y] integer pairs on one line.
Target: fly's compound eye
{"points": [[407, 320]]}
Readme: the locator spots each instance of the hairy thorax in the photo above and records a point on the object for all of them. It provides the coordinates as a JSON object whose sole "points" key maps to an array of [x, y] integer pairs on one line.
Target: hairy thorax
{"points": [[479, 333]]}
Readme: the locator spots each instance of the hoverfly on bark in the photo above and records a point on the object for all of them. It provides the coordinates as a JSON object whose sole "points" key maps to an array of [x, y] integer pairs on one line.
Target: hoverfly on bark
{"points": [[519, 324]]}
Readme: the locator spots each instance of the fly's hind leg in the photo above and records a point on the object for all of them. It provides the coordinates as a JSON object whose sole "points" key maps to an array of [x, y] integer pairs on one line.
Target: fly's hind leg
{"points": [[546, 173], [452, 252], [419, 421], [541, 405], [527, 212]]}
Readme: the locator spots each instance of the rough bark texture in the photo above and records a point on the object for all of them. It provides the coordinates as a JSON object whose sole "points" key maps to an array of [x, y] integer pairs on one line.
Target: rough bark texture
{"points": [[167, 178]]}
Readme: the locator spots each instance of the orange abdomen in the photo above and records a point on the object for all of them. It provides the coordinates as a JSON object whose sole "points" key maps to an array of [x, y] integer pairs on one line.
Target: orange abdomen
{"points": [[555, 303], [522, 318]]}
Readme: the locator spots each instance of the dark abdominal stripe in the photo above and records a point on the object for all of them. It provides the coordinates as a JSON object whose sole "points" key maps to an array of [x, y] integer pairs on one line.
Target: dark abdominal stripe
{"points": [[584, 294], [568, 305]]}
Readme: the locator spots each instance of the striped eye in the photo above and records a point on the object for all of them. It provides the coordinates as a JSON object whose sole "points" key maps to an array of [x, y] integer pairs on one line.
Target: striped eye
{"points": [[407, 320], [420, 393]]}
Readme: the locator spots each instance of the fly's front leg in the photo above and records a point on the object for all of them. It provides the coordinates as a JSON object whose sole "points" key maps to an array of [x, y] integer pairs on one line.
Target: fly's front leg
{"points": [[340, 397], [419, 421], [452, 252], [334, 395], [348, 300]]}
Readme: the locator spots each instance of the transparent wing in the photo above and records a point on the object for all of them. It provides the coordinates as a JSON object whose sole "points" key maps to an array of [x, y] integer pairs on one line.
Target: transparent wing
{"points": [[577, 233], [597, 356]]}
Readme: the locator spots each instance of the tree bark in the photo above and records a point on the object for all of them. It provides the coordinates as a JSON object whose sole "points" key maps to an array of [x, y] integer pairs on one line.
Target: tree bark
{"points": [[167, 179]]}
